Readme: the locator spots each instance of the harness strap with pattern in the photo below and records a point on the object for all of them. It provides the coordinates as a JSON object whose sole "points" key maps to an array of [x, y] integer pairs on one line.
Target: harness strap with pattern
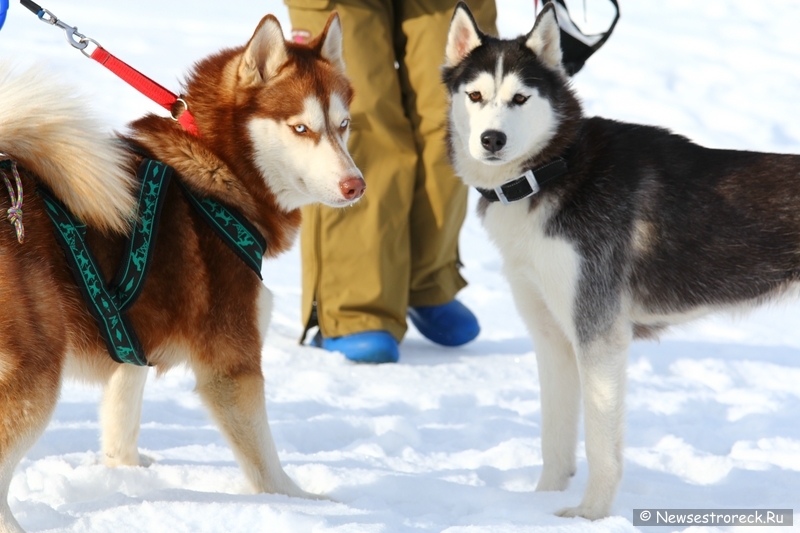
{"points": [[109, 304]]}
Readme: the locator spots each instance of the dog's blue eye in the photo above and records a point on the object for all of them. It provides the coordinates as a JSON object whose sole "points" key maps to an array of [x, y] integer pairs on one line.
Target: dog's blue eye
{"points": [[300, 128], [345, 123]]}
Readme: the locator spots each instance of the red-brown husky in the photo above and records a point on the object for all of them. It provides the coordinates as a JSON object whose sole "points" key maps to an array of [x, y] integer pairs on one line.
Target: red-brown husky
{"points": [[273, 122]]}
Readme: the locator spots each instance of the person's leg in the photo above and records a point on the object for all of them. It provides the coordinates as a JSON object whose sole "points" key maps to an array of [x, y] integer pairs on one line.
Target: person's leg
{"points": [[356, 260], [440, 198]]}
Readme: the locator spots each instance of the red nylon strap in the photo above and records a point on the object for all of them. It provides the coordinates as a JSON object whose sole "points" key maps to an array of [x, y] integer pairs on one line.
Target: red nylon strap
{"points": [[145, 85]]}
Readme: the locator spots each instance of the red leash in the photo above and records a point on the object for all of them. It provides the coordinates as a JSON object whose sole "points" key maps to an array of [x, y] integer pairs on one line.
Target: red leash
{"points": [[177, 107], [154, 91]]}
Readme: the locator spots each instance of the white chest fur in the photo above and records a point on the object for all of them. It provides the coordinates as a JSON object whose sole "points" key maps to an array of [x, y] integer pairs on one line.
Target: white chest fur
{"points": [[533, 260]]}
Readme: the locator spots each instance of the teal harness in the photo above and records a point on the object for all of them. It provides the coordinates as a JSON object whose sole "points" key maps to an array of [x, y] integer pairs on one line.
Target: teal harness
{"points": [[109, 304]]}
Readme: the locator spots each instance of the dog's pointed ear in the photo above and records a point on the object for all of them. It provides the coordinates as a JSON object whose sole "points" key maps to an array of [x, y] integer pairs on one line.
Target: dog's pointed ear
{"points": [[463, 37], [545, 38], [329, 42], [265, 53]]}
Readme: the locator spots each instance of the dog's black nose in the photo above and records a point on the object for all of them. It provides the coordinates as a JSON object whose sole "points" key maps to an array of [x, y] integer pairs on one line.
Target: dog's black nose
{"points": [[493, 140]]}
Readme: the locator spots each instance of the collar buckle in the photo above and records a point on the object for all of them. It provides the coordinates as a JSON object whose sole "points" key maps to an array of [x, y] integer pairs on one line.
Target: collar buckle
{"points": [[529, 177]]}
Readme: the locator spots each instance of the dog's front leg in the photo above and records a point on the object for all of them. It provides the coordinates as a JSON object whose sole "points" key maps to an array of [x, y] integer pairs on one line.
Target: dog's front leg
{"points": [[237, 404], [602, 364], [121, 415], [559, 385]]}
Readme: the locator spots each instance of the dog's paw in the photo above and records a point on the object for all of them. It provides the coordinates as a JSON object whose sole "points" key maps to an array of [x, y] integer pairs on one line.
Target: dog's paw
{"points": [[583, 511], [297, 492], [286, 486], [319, 497], [553, 482], [294, 491], [134, 459]]}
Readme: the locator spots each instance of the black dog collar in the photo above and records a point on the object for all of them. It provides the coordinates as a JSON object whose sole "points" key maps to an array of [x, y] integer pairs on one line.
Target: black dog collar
{"points": [[526, 185]]}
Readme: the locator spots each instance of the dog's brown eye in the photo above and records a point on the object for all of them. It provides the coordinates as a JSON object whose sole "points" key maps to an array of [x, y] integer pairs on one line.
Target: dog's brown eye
{"points": [[300, 128], [520, 99], [475, 96]]}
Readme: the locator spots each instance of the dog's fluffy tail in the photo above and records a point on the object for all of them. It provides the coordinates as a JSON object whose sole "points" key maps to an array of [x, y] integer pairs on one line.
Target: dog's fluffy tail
{"points": [[52, 134]]}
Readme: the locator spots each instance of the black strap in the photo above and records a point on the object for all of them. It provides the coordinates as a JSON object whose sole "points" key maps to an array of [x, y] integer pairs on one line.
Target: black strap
{"points": [[33, 7], [523, 187], [232, 227], [108, 304], [127, 285], [575, 51]]}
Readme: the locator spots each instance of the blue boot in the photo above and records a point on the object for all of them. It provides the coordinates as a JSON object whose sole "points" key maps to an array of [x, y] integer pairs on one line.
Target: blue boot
{"points": [[365, 347], [450, 324]]}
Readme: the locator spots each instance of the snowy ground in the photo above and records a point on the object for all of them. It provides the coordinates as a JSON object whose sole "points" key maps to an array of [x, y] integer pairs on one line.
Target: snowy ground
{"points": [[449, 439]]}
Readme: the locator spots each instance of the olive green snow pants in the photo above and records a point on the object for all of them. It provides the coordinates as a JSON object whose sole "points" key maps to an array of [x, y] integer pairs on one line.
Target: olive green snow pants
{"points": [[398, 246]]}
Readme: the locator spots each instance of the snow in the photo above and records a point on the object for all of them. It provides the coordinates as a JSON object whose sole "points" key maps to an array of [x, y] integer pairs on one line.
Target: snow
{"points": [[448, 440]]}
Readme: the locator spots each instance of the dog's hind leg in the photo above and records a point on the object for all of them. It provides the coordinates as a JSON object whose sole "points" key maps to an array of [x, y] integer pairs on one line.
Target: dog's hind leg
{"points": [[602, 364], [559, 385], [30, 377], [121, 414]]}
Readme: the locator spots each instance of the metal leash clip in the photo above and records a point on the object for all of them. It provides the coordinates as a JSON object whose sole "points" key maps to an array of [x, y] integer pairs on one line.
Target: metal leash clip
{"points": [[73, 36], [71, 32]]}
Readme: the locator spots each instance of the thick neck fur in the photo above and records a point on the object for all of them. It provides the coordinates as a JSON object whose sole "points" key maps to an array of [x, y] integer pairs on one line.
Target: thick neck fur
{"points": [[219, 163], [570, 121]]}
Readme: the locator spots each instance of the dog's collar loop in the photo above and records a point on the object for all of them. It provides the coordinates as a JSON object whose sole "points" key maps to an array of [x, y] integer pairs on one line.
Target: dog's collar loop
{"points": [[15, 211], [526, 185]]}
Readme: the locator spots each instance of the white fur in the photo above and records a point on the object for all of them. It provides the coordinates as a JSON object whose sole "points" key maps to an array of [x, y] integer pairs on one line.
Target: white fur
{"points": [[35, 106], [550, 265], [543, 273], [298, 170], [264, 310], [602, 365], [120, 416], [559, 383], [264, 470], [528, 127]]}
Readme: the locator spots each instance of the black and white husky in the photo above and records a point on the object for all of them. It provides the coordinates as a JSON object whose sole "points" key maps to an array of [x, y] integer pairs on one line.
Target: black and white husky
{"points": [[619, 231]]}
